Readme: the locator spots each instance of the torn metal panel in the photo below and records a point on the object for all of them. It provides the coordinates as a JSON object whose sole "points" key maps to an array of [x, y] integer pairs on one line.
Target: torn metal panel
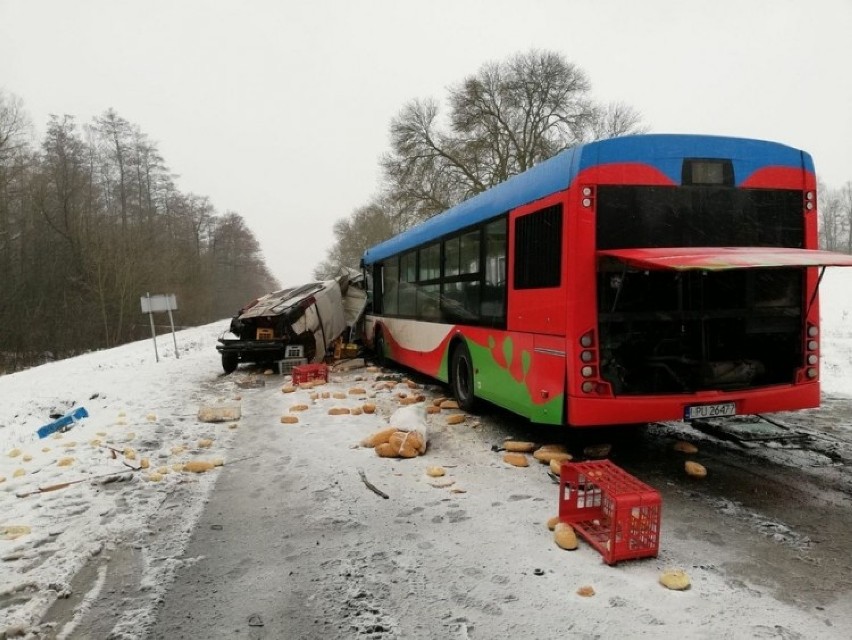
{"points": [[747, 429]]}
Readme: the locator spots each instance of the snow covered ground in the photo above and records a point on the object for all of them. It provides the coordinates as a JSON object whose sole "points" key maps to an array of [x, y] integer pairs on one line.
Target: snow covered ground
{"points": [[144, 413]]}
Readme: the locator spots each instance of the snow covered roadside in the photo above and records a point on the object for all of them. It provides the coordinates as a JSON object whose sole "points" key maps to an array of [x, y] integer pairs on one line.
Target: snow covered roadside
{"points": [[139, 409], [152, 407], [836, 319]]}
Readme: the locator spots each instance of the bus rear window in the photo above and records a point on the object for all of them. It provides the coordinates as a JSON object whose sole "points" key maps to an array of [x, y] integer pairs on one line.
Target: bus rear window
{"points": [[631, 216]]}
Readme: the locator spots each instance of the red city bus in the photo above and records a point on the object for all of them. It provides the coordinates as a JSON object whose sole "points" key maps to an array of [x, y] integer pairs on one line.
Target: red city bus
{"points": [[630, 280]]}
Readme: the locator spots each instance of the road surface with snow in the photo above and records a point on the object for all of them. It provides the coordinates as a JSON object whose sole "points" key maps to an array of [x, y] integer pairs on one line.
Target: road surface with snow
{"points": [[286, 541]]}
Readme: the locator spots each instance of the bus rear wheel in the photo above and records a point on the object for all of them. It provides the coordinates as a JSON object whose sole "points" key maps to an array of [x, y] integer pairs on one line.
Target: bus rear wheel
{"points": [[379, 350], [462, 377]]}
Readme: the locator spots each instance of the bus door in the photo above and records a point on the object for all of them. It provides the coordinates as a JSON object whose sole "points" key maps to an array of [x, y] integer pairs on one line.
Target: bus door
{"points": [[537, 303]]}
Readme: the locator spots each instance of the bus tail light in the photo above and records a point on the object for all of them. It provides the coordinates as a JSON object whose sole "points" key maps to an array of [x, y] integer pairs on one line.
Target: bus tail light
{"points": [[588, 367], [812, 352]]}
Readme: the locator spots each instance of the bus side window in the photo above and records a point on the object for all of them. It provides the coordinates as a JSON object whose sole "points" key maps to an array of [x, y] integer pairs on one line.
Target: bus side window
{"points": [[538, 249], [494, 276], [390, 284]]}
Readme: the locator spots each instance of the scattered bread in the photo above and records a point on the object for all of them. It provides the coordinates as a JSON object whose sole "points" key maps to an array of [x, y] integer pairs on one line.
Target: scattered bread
{"points": [[14, 453], [435, 472], [519, 446], [299, 407], [338, 395], [338, 411], [516, 459], [552, 522], [386, 450], [685, 447], [14, 531], [198, 466], [545, 455], [65, 462], [379, 437], [449, 404], [456, 418], [205, 443], [357, 391], [675, 579], [433, 409], [368, 407], [564, 536], [288, 388], [130, 453], [586, 591], [356, 411], [154, 476], [289, 419], [694, 469], [406, 444], [556, 465]]}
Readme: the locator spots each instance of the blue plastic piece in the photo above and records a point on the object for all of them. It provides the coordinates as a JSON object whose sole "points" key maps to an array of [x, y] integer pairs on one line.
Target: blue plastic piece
{"points": [[61, 424]]}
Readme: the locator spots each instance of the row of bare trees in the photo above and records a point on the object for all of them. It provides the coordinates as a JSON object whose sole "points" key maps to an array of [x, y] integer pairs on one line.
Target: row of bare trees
{"points": [[502, 120], [835, 218], [90, 220]]}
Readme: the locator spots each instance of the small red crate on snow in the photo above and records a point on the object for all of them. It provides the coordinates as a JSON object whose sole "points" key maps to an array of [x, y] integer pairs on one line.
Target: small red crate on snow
{"points": [[309, 372], [611, 510]]}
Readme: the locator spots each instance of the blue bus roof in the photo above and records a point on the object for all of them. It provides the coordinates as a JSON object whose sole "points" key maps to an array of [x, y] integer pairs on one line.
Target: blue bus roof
{"points": [[664, 152]]}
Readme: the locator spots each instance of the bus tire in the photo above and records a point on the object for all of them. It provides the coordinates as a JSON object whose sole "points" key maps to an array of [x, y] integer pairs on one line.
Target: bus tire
{"points": [[230, 361], [462, 377], [379, 349]]}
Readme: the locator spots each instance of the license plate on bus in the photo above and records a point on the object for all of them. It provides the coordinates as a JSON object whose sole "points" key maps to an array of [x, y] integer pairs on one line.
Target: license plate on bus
{"points": [[710, 411]]}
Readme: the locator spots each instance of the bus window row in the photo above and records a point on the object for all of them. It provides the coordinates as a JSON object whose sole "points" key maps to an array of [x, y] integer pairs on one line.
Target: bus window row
{"points": [[461, 279]]}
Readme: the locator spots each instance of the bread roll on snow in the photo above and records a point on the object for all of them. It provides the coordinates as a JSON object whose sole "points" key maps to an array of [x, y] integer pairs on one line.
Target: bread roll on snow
{"points": [[694, 469], [519, 446], [564, 536], [516, 459]]}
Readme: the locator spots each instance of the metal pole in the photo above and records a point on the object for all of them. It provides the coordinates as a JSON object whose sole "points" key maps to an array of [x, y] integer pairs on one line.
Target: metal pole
{"points": [[172, 322], [153, 331]]}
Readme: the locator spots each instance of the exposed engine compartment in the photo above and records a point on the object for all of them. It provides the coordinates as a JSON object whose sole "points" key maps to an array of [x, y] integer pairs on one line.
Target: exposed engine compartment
{"points": [[685, 331]]}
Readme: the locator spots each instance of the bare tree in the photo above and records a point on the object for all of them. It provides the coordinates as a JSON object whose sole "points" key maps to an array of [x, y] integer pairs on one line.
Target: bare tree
{"points": [[831, 220], [844, 198], [504, 119], [367, 226]]}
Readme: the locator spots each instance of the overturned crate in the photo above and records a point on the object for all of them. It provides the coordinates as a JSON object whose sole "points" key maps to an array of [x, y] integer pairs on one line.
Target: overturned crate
{"points": [[310, 373], [614, 512]]}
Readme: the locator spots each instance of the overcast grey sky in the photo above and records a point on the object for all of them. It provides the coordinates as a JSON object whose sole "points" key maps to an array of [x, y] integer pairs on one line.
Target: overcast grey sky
{"points": [[279, 110]]}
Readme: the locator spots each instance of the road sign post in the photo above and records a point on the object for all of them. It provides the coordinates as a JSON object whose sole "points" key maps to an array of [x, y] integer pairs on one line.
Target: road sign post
{"points": [[158, 303]]}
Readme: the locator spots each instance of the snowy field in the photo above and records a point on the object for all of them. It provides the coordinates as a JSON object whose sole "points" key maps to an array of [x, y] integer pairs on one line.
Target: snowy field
{"points": [[70, 497]]}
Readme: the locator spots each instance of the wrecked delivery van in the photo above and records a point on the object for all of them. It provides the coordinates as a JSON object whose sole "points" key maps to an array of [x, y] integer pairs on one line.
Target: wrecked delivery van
{"points": [[294, 325]]}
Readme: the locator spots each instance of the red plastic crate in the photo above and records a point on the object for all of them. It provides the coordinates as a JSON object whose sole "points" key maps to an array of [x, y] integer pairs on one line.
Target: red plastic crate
{"points": [[613, 511], [310, 372]]}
